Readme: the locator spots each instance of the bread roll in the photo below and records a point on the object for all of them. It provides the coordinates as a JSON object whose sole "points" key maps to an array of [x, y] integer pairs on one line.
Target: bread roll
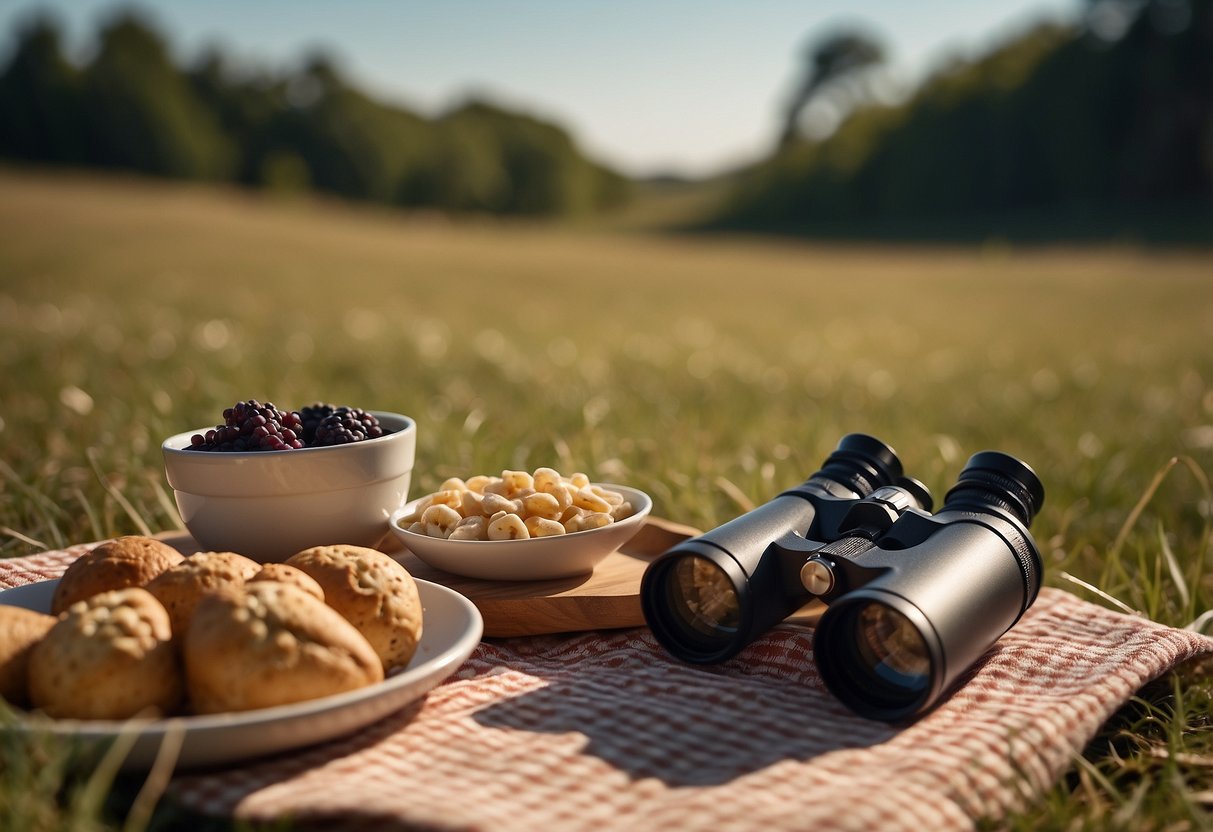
{"points": [[20, 630], [284, 574], [109, 657], [115, 564], [268, 644], [374, 593], [181, 587]]}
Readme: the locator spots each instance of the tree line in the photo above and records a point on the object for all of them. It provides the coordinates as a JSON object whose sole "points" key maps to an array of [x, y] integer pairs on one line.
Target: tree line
{"points": [[1064, 121], [131, 107], [1060, 122]]}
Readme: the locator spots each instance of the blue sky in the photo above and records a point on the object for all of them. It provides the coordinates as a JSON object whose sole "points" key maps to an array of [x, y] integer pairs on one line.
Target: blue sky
{"points": [[689, 87]]}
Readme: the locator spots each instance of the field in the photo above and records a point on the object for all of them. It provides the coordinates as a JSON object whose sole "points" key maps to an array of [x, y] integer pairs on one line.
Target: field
{"points": [[712, 372]]}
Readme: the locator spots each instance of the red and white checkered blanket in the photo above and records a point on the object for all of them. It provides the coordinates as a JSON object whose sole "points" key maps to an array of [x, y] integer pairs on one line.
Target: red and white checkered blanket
{"points": [[605, 731]]}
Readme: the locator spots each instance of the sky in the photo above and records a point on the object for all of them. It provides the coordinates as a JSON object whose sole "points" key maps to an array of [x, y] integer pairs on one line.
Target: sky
{"points": [[684, 87]]}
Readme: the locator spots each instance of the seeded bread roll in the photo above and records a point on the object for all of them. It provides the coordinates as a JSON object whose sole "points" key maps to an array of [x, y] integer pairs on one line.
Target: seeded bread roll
{"points": [[108, 657], [20, 630], [284, 574], [374, 593], [269, 644], [115, 564], [181, 587]]}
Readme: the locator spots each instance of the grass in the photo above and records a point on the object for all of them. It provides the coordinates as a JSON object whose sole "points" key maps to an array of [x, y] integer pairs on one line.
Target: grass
{"points": [[712, 372]]}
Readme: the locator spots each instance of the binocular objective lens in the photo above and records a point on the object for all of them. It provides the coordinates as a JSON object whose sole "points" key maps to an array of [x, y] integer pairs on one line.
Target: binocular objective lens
{"points": [[892, 647], [882, 657], [702, 600]]}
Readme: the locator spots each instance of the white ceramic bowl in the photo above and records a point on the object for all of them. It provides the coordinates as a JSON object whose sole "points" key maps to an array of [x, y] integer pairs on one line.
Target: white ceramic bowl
{"points": [[268, 505], [533, 559]]}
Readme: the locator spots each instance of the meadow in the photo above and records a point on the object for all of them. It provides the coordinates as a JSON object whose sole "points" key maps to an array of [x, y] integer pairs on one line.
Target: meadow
{"points": [[711, 371]]}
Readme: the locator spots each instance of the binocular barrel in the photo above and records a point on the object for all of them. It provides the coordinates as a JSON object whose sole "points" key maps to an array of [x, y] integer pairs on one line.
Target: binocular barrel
{"points": [[914, 598], [710, 596]]}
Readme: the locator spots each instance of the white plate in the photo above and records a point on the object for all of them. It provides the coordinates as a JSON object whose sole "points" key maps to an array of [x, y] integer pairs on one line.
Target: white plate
{"points": [[533, 559], [451, 630]]}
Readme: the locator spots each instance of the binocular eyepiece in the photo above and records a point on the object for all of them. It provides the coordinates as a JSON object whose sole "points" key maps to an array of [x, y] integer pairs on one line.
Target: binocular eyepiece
{"points": [[914, 598]]}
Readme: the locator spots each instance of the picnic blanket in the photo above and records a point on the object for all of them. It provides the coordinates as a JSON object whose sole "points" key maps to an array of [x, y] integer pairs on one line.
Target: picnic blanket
{"points": [[605, 731]]}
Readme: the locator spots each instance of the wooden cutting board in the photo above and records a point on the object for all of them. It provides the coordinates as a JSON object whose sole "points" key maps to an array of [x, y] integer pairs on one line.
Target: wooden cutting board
{"points": [[608, 598]]}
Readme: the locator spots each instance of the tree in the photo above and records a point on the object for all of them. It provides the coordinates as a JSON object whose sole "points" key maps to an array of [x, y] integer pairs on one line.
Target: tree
{"points": [[40, 99], [829, 60], [142, 114]]}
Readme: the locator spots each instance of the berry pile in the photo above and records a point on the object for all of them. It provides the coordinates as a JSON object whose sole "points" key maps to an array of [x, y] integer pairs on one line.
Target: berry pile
{"points": [[312, 416], [253, 426], [345, 425]]}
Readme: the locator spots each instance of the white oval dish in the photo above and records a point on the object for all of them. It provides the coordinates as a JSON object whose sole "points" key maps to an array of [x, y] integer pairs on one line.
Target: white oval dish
{"points": [[451, 629], [268, 505], [533, 559]]}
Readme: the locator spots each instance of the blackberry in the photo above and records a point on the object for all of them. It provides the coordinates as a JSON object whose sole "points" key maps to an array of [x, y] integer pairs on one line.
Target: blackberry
{"points": [[345, 425], [312, 415], [252, 426]]}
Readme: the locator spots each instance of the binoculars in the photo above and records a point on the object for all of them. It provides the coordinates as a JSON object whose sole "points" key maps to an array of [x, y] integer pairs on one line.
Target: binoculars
{"points": [[914, 598]]}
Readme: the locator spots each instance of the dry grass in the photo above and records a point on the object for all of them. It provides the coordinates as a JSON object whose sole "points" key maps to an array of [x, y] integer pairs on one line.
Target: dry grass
{"points": [[692, 368]]}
